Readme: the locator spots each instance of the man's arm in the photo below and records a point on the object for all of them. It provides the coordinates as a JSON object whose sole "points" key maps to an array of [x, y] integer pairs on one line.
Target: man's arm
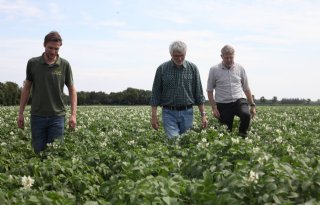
{"points": [[73, 102], [213, 104], [154, 118], [204, 120], [251, 102], [249, 97], [25, 93]]}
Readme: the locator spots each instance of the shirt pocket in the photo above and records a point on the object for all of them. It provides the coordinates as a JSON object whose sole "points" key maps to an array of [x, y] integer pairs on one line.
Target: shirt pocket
{"points": [[168, 81], [188, 76]]}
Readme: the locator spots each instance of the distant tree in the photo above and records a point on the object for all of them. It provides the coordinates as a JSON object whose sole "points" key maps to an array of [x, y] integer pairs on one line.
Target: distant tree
{"points": [[294, 101], [2, 94], [9, 93], [82, 98], [274, 100], [262, 100], [254, 99]]}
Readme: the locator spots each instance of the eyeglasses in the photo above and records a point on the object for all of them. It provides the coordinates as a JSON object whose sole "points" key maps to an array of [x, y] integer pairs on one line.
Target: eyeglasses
{"points": [[178, 55]]}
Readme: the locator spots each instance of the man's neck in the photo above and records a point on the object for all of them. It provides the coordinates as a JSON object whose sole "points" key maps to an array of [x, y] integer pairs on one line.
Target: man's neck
{"points": [[227, 66], [49, 61]]}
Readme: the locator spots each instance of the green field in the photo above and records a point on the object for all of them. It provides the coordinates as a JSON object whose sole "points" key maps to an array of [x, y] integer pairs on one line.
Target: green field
{"points": [[114, 157]]}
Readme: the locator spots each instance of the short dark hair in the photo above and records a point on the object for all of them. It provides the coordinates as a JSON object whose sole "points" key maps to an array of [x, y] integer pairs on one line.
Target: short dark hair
{"points": [[53, 36]]}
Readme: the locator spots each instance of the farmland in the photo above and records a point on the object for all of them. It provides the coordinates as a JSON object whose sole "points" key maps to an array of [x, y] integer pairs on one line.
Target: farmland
{"points": [[114, 157]]}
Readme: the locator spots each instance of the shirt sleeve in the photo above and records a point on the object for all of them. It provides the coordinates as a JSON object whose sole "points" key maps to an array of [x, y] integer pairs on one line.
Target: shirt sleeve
{"points": [[199, 97], [69, 76], [29, 72], [156, 88], [211, 81], [244, 80]]}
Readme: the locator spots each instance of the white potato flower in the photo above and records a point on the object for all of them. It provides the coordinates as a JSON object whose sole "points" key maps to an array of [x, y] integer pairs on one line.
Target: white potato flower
{"points": [[179, 162], [27, 182], [104, 144], [75, 160], [235, 140], [131, 142], [248, 140], [278, 131], [279, 139], [253, 177], [255, 149], [290, 149]]}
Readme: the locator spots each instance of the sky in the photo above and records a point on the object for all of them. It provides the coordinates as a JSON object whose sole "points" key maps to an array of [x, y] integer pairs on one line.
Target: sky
{"points": [[115, 44]]}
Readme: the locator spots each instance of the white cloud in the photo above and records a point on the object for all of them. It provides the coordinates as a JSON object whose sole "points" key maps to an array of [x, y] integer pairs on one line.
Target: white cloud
{"points": [[117, 45], [13, 10]]}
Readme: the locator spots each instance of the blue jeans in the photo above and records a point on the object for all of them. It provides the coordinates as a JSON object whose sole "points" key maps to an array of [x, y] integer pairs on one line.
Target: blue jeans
{"points": [[176, 122], [45, 130]]}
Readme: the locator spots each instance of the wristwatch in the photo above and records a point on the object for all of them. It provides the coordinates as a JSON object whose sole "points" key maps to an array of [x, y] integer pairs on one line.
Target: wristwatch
{"points": [[252, 104]]}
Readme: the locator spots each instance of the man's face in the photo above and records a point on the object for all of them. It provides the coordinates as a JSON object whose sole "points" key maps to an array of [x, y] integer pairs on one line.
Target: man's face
{"points": [[228, 59], [52, 49], [178, 57]]}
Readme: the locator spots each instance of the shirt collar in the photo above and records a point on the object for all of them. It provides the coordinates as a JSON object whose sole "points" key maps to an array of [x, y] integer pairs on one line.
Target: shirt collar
{"points": [[58, 61], [184, 64], [225, 68]]}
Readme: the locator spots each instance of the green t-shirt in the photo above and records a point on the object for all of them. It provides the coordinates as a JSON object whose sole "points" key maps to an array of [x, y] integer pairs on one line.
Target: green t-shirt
{"points": [[47, 85]]}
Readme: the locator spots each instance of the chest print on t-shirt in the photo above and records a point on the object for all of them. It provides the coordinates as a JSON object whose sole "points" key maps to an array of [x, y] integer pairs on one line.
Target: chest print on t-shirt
{"points": [[57, 71]]}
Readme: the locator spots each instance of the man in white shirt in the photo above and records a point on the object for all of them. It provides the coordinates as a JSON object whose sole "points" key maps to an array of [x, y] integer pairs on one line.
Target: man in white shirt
{"points": [[228, 81]]}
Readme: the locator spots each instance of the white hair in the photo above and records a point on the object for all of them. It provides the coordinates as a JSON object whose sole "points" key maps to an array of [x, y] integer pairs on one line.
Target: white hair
{"points": [[227, 50], [178, 46]]}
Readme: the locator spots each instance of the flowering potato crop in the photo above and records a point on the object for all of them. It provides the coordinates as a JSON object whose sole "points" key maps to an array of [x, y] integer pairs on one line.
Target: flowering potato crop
{"points": [[114, 157]]}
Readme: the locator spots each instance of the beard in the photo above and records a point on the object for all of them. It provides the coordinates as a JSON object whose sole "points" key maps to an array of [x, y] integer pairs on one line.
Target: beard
{"points": [[178, 63]]}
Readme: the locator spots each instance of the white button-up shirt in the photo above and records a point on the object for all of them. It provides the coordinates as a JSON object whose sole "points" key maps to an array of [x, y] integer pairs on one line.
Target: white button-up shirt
{"points": [[229, 84]]}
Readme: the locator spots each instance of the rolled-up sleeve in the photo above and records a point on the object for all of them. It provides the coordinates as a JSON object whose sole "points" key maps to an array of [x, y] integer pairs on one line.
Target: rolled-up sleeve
{"points": [[211, 81], [156, 88], [244, 80], [199, 97]]}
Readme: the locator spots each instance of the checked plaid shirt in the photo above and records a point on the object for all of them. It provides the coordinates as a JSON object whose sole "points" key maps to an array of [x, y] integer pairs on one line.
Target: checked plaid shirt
{"points": [[175, 86]]}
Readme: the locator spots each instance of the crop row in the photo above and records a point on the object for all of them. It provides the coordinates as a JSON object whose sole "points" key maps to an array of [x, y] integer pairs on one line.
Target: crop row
{"points": [[114, 157]]}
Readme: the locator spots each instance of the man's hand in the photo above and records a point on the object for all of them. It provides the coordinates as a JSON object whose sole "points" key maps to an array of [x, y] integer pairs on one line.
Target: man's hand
{"points": [[215, 112], [20, 121], [155, 122], [253, 111], [204, 121], [72, 122]]}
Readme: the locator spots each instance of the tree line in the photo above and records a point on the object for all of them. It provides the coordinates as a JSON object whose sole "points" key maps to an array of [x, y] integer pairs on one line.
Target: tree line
{"points": [[130, 96], [10, 95], [286, 101]]}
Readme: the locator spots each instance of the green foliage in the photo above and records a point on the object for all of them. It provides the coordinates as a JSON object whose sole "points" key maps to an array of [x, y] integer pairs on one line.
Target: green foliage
{"points": [[130, 96], [114, 157], [9, 93]]}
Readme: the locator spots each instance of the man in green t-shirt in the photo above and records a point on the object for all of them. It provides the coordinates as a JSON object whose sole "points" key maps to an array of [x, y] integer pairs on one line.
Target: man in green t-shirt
{"points": [[46, 77]]}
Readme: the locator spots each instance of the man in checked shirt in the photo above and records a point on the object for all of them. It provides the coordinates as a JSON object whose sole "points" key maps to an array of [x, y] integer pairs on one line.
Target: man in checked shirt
{"points": [[177, 87], [229, 81]]}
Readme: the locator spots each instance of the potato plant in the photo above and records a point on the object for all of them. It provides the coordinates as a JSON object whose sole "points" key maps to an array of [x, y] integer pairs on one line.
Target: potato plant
{"points": [[114, 157]]}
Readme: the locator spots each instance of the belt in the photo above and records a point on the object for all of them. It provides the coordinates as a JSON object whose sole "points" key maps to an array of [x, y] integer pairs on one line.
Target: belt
{"points": [[178, 108]]}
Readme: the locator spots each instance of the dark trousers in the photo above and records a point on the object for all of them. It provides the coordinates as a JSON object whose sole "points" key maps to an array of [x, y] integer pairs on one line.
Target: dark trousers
{"points": [[239, 108]]}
